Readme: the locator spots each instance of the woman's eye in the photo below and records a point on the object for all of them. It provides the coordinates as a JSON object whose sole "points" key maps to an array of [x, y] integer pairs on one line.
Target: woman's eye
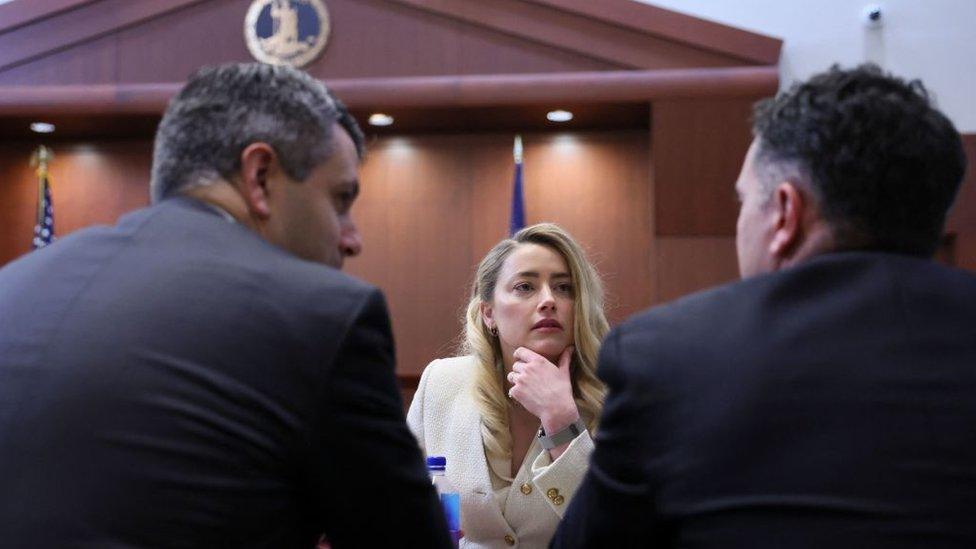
{"points": [[523, 287], [565, 288]]}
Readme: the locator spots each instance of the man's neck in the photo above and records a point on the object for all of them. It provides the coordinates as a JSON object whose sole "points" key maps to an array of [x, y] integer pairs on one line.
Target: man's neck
{"points": [[818, 239], [224, 196]]}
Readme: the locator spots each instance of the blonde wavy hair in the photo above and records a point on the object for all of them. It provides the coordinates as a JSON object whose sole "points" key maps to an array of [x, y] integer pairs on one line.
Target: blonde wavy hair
{"points": [[590, 326]]}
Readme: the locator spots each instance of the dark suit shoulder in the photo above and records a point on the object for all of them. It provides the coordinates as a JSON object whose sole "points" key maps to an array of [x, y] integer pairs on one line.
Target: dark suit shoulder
{"points": [[712, 326], [820, 274], [302, 284]]}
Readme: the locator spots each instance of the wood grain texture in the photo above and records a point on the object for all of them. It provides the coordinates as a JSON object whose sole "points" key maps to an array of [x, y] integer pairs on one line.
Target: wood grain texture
{"points": [[736, 86], [597, 187], [21, 13], [613, 116], [707, 35], [432, 206], [164, 41], [65, 29], [698, 148], [378, 38], [580, 32], [689, 264], [962, 216], [119, 41], [91, 184], [18, 200], [85, 63], [414, 218]]}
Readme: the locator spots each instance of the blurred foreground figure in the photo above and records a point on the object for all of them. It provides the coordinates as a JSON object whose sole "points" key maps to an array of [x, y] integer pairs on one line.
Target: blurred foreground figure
{"points": [[827, 400], [201, 374]]}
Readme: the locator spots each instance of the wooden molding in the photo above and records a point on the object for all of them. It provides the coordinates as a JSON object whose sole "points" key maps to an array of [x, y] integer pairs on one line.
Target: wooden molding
{"points": [[14, 15], [92, 100], [748, 46], [580, 87], [624, 32], [437, 91], [58, 24]]}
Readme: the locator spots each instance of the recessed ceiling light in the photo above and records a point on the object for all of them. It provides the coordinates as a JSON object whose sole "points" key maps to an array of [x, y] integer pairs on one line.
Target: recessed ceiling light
{"points": [[559, 116], [380, 119], [42, 127]]}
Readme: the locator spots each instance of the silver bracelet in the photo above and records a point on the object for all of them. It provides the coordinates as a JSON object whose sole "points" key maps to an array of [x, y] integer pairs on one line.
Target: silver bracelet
{"points": [[571, 431]]}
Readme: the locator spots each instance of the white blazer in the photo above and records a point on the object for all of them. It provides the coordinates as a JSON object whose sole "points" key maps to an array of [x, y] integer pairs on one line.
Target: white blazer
{"points": [[446, 421]]}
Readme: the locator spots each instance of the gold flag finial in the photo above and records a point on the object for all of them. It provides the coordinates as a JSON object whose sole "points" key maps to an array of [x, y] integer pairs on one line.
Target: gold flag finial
{"points": [[40, 159]]}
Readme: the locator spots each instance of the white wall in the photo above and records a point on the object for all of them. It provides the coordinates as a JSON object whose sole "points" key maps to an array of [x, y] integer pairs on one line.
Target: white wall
{"points": [[933, 40]]}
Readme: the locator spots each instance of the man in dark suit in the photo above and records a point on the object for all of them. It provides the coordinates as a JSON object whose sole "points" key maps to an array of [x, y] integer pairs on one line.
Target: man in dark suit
{"points": [[829, 398], [201, 374]]}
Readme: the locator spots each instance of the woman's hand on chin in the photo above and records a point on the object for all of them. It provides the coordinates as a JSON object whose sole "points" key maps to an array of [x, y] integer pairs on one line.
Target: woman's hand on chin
{"points": [[543, 388]]}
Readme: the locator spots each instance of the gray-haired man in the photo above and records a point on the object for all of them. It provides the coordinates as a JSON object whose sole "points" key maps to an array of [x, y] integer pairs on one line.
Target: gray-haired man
{"points": [[200, 375]]}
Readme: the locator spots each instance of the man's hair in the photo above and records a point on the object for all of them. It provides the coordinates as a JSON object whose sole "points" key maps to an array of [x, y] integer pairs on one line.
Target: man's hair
{"points": [[882, 163], [223, 109]]}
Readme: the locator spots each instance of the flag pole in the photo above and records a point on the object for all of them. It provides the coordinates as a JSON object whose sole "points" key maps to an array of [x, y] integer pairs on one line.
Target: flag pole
{"points": [[516, 220], [44, 227], [40, 159]]}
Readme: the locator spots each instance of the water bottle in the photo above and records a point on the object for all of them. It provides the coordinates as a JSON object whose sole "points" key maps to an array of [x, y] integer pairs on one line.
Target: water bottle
{"points": [[450, 499]]}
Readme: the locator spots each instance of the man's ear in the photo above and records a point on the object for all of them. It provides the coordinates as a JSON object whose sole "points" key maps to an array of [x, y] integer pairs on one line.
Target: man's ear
{"points": [[258, 162], [789, 207]]}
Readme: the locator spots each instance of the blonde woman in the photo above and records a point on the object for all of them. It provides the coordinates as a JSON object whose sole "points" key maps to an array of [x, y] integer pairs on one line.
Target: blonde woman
{"points": [[514, 416]]}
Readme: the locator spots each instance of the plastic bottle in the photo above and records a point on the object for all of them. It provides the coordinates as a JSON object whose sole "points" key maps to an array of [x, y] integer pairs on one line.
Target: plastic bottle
{"points": [[450, 499]]}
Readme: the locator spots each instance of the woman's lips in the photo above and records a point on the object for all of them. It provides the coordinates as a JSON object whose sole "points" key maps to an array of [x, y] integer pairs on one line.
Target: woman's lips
{"points": [[548, 325]]}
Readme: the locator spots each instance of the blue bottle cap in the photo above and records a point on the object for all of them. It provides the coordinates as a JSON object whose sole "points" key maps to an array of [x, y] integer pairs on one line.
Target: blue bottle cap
{"points": [[436, 463]]}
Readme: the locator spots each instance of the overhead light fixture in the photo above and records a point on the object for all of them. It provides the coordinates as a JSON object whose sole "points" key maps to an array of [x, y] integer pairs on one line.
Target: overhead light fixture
{"points": [[42, 127], [559, 116], [380, 119]]}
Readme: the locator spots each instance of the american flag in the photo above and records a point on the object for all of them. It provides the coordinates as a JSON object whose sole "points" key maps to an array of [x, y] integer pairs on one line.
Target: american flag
{"points": [[44, 224]]}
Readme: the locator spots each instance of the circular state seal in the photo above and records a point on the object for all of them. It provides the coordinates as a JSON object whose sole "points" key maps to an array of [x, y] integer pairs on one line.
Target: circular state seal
{"points": [[286, 32]]}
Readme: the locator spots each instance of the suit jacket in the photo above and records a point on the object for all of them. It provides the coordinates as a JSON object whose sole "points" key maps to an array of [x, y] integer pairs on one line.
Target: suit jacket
{"points": [[447, 422], [828, 405], [176, 380]]}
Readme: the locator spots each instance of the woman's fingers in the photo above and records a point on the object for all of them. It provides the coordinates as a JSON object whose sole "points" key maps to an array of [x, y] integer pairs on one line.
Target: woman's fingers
{"points": [[523, 354]]}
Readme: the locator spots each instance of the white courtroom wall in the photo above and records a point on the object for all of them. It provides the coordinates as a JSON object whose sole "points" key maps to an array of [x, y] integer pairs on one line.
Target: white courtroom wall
{"points": [[934, 40]]}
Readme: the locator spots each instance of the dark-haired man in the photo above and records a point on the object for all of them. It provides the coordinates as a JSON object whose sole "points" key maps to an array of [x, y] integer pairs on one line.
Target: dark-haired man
{"points": [[827, 400], [201, 374]]}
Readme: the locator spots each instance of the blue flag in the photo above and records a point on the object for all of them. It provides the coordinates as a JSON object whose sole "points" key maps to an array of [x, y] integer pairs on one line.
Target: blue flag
{"points": [[517, 219]]}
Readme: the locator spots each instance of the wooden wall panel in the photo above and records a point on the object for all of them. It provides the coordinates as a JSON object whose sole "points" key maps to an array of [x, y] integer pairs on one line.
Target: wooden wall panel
{"points": [[678, 27], [378, 31], [597, 186], [698, 148], [962, 217], [431, 206], [414, 218], [370, 38], [87, 63], [91, 184], [25, 12], [689, 264], [18, 201], [171, 47], [631, 47]]}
